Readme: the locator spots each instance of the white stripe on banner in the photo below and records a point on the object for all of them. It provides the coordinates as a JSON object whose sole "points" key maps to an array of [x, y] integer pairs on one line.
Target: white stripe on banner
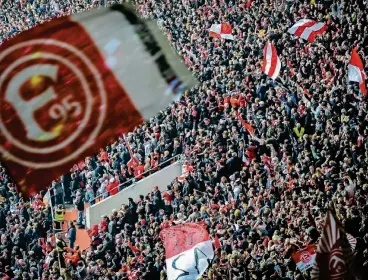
{"points": [[268, 58], [227, 36], [308, 31], [354, 74], [300, 23], [277, 70], [216, 28]]}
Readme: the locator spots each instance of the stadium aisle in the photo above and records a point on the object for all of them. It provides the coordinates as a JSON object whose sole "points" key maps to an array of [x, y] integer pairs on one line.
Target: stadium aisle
{"points": [[83, 239]]}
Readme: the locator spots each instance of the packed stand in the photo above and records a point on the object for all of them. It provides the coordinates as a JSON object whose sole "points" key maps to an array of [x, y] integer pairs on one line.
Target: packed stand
{"points": [[265, 196]]}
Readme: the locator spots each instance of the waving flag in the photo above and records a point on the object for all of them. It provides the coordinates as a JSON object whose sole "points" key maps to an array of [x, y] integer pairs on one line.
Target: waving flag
{"points": [[246, 125], [308, 29], [189, 251], [334, 254], [271, 62], [356, 70], [304, 258], [133, 162], [72, 85], [222, 30]]}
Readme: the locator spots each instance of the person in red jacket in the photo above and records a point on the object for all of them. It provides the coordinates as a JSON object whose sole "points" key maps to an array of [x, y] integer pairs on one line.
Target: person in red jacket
{"points": [[75, 257], [112, 188], [234, 101], [138, 171]]}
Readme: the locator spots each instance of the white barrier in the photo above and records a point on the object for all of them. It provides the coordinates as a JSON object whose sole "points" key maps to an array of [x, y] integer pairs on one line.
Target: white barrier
{"points": [[161, 179]]}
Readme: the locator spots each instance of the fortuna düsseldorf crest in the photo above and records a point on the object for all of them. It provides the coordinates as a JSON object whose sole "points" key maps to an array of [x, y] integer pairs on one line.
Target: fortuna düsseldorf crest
{"points": [[70, 86], [53, 102]]}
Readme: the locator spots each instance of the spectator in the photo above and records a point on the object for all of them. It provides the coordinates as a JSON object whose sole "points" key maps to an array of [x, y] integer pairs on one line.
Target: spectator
{"points": [[112, 187], [72, 235], [79, 205]]}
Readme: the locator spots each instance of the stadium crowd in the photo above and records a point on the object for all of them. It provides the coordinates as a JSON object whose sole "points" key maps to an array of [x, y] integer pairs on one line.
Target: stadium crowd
{"points": [[265, 197]]}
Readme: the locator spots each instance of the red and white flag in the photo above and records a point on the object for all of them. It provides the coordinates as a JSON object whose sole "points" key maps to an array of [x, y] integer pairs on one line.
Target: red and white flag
{"points": [[356, 71], [308, 29], [246, 125], [74, 84], [189, 251], [334, 253], [222, 30], [271, 62], [133, 162], [305, 258]]}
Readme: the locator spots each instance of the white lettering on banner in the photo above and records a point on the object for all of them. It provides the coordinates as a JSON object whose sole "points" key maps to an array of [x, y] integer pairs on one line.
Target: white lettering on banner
{"points": [[191, 263], [58, 111], [26, 109]]}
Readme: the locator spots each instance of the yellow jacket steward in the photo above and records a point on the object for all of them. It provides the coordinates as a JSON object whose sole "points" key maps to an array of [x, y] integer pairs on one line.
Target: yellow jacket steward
{"points": [[59, 215]]}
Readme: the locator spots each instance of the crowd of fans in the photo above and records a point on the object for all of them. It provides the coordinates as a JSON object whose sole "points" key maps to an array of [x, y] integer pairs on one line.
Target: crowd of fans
{"points": [[265, 197]]}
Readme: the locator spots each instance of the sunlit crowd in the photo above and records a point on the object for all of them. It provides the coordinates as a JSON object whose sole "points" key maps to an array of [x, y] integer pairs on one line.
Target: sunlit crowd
{"points": [[264, 196]]}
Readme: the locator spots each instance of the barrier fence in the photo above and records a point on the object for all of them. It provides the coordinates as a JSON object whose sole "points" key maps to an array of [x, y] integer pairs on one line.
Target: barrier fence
{"points": [[100, 197], [149, 180], [136, 179], [160, 179]]}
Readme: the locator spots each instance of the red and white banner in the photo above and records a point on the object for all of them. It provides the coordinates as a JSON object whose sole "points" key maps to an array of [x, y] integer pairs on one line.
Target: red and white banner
{"points": [[72, 85], [308, 29], [222, 30], [356, 71], [334, 252], [189, 251], [271, 62], [305, 258]]}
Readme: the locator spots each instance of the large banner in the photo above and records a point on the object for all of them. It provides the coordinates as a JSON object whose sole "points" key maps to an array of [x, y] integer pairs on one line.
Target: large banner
{"points": [[72, 85]]}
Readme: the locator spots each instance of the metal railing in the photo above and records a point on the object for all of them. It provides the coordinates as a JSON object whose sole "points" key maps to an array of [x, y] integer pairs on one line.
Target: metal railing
{"points": [[100, 197], [126, 184]]}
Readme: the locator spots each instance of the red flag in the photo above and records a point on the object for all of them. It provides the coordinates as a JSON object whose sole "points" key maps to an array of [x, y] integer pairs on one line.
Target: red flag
{"points": [[188, 250], [246, 125], [72, 85], [356, 70], [334, 254], [133, 248]]}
